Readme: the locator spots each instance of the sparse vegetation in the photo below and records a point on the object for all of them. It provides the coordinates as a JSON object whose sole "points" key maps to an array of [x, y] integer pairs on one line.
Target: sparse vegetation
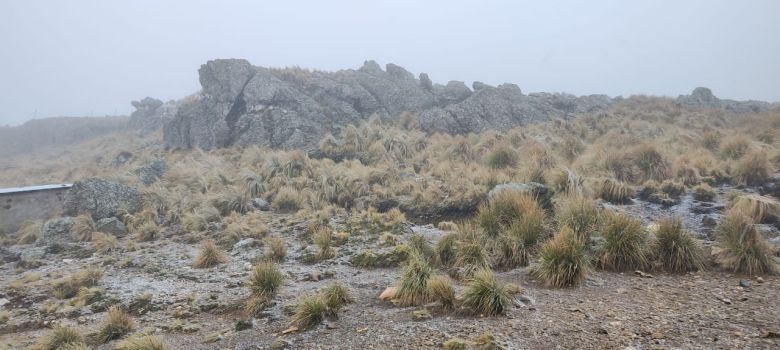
{"points": [[486, 295], [626, 243], [264, 282], [413, 287], [59, 338], [209, 255], [117, 324], [676, 248], [440, 289], [563, 260], [310, 312], [142, 342], [743, 248]]}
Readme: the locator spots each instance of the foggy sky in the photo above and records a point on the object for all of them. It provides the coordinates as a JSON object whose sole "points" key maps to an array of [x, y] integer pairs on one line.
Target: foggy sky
{"points": [[84, 58]]}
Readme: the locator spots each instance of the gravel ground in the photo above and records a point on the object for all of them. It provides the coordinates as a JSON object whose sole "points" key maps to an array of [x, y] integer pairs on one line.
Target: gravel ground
{"points": [[199, 308]]}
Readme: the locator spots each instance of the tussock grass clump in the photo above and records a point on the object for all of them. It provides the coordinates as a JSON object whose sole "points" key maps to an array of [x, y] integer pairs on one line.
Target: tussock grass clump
{"points": [[650, 162], [253, 184], [83, 228], [616, 192], [29, 232], [753, 169], [143, 342], [147, 232], [625, 243], [104, 243], [59, 337], [288, 199], [265, 280], [486, 295], [232, 201], [209, 255], [456, 344], [413, 287], [447, 249], [421, 246], [563, 261], [502, 156], [440, 289], [578, 213], [676, 248], [735, 147], [704, 192], [277, 248], [743, 248], [117, 324], [310, 312], [336, 296], [68, 287], [471, 257], [761, 209]]}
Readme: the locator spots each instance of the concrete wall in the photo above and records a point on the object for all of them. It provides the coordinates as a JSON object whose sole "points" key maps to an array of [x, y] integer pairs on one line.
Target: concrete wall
{"points": [[18, 207]]}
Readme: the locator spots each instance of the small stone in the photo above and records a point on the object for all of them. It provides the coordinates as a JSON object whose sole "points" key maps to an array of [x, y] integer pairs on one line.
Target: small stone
{"points": [[726, 301], [759, 279], [744, 283], [388, 293]]}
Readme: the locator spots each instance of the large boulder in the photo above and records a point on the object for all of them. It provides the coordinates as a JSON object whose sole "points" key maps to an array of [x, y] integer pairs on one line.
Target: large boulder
{"points": [[100, 198]]}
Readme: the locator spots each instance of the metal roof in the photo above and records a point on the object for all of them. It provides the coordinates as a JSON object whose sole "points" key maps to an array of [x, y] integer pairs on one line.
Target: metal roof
{"points": [[34, 188]]}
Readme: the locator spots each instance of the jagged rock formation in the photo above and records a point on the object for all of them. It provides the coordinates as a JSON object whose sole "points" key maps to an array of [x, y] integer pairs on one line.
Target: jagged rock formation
{"points": [[293, 108], [149, 114], [702, 97]]}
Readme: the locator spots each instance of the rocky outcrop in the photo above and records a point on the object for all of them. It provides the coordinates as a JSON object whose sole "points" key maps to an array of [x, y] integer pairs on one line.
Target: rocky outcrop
{"points": [[241, 104], [293, 108], [101, 199], [702, 97]]}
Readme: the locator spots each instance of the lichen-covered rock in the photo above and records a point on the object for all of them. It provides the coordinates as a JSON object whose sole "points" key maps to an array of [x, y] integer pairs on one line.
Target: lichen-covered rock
{"points": [[56, 231], [150, 172], [100, 198]]}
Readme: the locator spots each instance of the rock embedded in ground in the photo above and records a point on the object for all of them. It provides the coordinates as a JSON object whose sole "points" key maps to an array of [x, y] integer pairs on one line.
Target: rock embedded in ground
{"points": [[112, 226], [56, 231], [150, 172]]}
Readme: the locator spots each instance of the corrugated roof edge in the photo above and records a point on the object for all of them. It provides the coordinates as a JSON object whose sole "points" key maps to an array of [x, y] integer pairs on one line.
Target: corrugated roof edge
{"points": [[12, 190]]}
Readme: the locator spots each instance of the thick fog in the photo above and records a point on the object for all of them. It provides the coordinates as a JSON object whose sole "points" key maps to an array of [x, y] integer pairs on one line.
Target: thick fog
{"points": [[87, 58]]}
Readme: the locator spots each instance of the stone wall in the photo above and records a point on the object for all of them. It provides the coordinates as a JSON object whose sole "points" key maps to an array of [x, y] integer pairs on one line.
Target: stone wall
{"points": [[20, 206]]}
